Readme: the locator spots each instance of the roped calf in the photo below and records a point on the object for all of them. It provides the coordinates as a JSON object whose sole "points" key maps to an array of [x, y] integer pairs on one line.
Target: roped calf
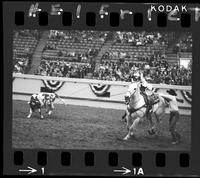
{"points": [[42, 100]]}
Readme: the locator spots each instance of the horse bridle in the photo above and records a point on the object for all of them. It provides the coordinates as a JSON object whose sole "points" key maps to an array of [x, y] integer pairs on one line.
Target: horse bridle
{"points": [[132, 94]]}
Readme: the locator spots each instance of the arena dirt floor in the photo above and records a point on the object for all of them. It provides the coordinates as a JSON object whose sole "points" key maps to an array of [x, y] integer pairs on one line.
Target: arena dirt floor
{"points": [[81, 127]]}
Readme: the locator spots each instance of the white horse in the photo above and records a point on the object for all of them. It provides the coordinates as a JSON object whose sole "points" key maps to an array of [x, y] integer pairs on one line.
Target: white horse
{"points": [[136, 110]]}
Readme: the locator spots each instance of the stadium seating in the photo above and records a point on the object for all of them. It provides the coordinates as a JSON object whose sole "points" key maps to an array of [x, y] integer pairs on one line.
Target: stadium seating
{"points": [[74, 44], [147, 46], [23, 48]]}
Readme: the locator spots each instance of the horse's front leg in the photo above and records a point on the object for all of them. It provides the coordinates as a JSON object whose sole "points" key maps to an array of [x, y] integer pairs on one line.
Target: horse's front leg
{"points": [[155, 127], [40, 111], [128, 125], [128, 120], [30, 113], [159, 113], [132, 128], [50, 109]]}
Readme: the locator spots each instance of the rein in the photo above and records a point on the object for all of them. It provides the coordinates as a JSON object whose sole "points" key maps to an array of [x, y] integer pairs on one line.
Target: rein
{"points": [[133, 109]]}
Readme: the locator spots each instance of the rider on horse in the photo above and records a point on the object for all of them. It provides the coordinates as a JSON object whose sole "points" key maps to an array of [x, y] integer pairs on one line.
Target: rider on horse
{"points": [[146, 91], [141, 97]]}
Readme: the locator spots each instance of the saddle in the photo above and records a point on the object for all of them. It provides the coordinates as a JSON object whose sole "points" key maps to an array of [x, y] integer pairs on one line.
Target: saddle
{"points": [[153, 98]]}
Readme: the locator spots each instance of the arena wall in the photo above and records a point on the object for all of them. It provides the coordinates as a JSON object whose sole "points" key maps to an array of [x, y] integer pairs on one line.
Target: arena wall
{"points": [[79, 92]]}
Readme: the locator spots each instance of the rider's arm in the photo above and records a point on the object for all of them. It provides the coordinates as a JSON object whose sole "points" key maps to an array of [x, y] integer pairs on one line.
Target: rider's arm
{"points": [[142, 78], [144, 82]]}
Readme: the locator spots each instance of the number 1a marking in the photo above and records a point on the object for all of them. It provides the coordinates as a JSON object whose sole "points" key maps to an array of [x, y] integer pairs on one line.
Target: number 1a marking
{"points": [[42, 170], [138, 171]]}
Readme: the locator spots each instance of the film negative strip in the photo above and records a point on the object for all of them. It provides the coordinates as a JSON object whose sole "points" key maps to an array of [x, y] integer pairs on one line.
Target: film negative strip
{"points": [[101, 89]]}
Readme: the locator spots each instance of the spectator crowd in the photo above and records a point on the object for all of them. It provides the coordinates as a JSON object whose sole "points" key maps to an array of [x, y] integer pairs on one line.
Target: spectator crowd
{"points": [[63, 69], [141, 38], [156, 70], [184, 44], [80, 64]]}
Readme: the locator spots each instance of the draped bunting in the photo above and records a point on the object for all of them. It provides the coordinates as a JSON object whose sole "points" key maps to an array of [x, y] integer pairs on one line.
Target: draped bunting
{"points": [[53, 85], [187, 96], [100, 90]]}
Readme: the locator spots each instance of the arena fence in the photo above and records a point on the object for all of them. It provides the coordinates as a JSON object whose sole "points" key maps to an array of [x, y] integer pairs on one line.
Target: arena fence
{"points": [[89, 92]]}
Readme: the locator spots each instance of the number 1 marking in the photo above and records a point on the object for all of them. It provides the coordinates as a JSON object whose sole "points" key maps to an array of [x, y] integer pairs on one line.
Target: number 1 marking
{"points": [[42, 170]]}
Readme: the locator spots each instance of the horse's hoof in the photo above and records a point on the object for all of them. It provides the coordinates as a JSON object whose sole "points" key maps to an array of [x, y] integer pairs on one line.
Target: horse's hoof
{"points": [[174, 142], [29, 116], [126, 138]]}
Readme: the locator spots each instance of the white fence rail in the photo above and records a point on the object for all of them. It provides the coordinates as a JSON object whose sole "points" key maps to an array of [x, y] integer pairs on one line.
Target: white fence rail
{"points": [[79, 92]]}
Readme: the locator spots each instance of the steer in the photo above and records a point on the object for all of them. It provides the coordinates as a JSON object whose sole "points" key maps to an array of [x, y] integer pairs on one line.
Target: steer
{"points": [[42, 100]]}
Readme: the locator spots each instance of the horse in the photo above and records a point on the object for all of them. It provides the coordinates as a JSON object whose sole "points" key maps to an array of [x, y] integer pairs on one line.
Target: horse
{"points": [[136, 111], [42, 100]]}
